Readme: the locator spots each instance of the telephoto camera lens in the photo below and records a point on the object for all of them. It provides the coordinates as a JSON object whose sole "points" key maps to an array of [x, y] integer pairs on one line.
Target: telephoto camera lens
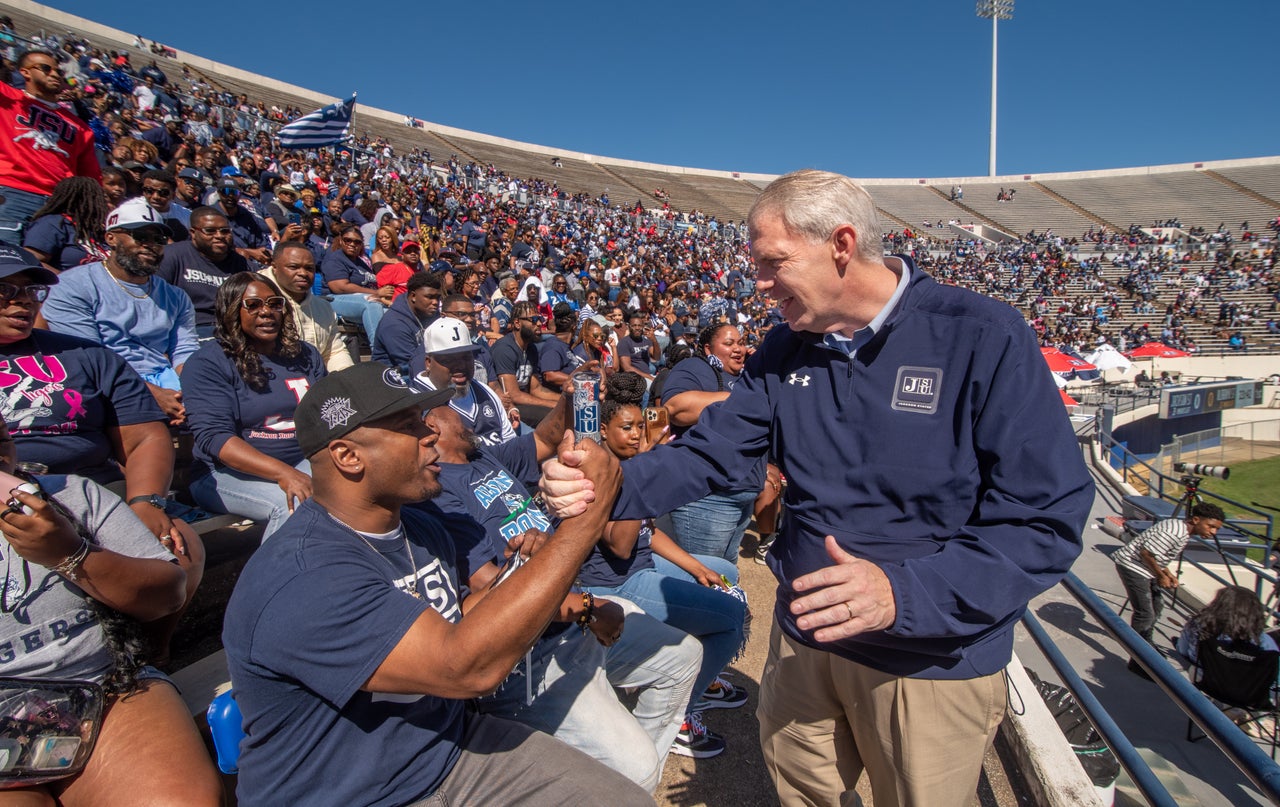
{"points": [[1216, 471]]}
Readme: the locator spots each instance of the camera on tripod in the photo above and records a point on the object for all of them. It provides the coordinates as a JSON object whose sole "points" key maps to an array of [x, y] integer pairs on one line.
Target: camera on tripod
{"points": [[1195, 469]]}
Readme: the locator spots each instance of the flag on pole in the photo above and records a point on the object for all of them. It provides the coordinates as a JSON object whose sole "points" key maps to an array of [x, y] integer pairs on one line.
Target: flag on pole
{"points": [[324, 127]]}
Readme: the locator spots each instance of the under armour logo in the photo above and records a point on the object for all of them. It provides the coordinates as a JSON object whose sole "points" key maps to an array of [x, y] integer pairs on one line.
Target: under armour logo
{"points": [[796, 378]]}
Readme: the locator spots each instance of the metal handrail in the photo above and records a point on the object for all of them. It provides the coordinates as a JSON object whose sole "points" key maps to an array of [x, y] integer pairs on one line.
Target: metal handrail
{"points": [[1258, 767], [1133, 763]]}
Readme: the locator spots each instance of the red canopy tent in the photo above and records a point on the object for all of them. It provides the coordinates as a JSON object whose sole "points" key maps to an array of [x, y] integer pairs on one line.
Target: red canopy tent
{"points": [[1156, 350], [1060, 362]]}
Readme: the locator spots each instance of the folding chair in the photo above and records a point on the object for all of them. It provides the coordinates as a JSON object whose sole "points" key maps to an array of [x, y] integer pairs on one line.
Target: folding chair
{"points": [[1242, 676]]}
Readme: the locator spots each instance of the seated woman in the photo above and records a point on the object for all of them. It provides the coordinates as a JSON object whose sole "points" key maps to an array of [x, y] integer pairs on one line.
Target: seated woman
{"points": [[714, 524], [82, 558], [349, 277], [69, 229], [592, 344], [386, 247], [77, 407], [1235, 613], [642, 564], [241, 391]]}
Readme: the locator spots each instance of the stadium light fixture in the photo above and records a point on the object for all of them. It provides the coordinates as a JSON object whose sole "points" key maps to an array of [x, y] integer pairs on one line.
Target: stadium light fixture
{"points": [[994, 10]]}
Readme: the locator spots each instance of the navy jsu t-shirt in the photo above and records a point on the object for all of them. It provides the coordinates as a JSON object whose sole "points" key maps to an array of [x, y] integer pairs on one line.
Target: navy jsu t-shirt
{"points": [[314, 614], [55, 236], [695, 375], [511, 359], [554, 356], [221, 405], [187, 268], [638, 351], [603, 568], [60, 396], [337, 266]]}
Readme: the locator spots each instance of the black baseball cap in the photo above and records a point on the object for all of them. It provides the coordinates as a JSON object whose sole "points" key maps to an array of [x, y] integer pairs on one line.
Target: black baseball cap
{"points": [[341, 402], [16, 259]]}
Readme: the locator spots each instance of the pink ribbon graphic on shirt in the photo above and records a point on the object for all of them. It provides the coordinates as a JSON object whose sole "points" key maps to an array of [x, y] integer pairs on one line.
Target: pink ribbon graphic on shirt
{"points": [[76, 401]]}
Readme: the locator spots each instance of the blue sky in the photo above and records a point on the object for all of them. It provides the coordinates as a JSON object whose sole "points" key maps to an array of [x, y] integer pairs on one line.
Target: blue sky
{"points": [[896, 89]]}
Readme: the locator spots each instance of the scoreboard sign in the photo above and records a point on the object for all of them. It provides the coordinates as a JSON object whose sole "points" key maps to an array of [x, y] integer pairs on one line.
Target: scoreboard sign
{"points": [[1181, 402]]}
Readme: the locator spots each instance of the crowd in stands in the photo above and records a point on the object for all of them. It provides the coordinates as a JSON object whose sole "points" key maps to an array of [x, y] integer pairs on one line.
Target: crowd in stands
{"points": [[1111, 288], [183, 275]]}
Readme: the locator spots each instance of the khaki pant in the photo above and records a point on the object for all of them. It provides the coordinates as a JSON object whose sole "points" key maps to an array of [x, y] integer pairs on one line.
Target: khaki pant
{"points": [[823, 719]]}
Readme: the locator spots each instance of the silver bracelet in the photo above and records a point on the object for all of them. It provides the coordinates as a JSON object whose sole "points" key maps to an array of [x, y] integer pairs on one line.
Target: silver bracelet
{"points": [[68, 567]]}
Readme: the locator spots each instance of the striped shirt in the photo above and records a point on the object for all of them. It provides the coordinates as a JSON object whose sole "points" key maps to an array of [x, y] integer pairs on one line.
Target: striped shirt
{"points": [[1165, 540]]}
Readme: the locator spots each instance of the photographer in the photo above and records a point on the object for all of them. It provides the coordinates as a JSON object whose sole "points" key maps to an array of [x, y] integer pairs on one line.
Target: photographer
{"points": [[1143, 565]]}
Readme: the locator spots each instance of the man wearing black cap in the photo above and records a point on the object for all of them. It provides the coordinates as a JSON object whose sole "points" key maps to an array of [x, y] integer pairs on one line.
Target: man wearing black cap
{"points": [[347, 646], [250, 235], [191, 183]]}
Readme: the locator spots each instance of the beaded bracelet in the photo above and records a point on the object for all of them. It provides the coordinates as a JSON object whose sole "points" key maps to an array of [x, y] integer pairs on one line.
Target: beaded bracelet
{"points": [[588, 614], [68, 567]]}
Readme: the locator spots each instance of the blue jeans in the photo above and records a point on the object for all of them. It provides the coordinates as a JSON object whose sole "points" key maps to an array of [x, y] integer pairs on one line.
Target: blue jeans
{"points": [[16, 209], [228, 491], [714, 524], [360, 307], [670, 595], [570, 694]]}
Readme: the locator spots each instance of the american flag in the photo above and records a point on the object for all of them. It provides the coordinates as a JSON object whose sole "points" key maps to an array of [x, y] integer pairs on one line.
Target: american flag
{"points": [[324, 127]]}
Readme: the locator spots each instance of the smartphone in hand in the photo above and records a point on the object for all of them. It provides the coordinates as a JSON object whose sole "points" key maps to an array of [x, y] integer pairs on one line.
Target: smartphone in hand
{"points": [[10, 483], [655, 420]]}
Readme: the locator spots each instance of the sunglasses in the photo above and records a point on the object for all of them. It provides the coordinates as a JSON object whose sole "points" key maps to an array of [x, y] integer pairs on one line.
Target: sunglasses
{"points": [[47, 69], [228, 192], [214, 230], [35, 292], [253, 304], [148, 236]]}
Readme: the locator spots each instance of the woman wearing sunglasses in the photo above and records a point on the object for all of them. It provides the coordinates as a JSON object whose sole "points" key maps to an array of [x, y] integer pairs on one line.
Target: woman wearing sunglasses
{"points": [[241, 391]]}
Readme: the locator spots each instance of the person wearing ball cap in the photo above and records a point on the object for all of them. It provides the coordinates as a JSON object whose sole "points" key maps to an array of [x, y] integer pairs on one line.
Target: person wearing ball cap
{"points": [[121, 304], [349, 652], [450, 364]]}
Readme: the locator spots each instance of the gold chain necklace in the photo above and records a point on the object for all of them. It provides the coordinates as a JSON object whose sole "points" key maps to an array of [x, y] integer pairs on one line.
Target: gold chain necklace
{"points": [[126, 289], [412, 584]]}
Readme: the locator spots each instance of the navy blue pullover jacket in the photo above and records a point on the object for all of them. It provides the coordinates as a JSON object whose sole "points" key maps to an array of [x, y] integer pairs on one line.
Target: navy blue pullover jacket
{"points": [[399, 338], [941, 452]]}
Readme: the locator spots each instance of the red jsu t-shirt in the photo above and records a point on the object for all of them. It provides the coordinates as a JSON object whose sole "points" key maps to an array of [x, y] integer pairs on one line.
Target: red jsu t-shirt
{"points": [[41, 144]]}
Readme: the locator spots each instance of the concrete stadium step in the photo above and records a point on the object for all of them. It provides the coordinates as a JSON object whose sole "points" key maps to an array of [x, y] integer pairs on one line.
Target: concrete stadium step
{"points": [[1128, 795]]}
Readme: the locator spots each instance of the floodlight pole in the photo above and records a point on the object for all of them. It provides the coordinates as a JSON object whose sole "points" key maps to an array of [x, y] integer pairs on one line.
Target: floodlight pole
{"points": [[995, 10]]}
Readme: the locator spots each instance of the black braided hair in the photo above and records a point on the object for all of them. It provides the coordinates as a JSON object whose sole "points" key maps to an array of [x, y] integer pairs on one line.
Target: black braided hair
{"points": [[621, 389], [82, 200]]}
